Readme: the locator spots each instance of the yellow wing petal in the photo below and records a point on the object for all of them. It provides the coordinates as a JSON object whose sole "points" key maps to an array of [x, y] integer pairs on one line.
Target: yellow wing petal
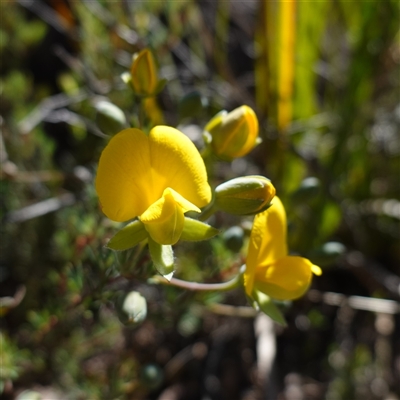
{"points": [[267, 241], [286, 279], [273, 245]]}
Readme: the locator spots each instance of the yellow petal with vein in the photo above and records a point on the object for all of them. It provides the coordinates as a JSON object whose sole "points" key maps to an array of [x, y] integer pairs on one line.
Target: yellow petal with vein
{"points": [[177, 164], [267, 241], [286, 279], [123, 165]]}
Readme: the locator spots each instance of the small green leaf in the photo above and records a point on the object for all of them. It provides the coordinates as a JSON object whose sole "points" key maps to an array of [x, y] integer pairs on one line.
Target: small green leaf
{"points": [[129, 236], [327, 254], [268, 307], [163, 258], [195, 230], [309, 188], [29, 395], [160, 86], [330, 220], [191, 105]]}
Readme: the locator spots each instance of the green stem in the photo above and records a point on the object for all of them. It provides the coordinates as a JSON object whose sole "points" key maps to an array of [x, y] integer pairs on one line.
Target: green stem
{"points": [[208, 211], [229, 285], [141, 114]]}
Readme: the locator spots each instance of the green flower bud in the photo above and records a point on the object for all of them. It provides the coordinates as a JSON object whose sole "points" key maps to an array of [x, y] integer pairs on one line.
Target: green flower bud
{"points": [[234, 134], [131, 308], [244, 195], [109, 118], [144, 78]]}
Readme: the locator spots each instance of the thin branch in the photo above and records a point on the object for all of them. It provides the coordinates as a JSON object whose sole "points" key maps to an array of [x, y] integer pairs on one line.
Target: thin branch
{"points": [[46, 107], [194, 286], [356, 302], [40, 208]]}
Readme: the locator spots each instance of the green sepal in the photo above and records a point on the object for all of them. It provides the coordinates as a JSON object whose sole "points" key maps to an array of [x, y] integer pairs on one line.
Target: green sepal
{"points": [[267, 306], [129, 236], [194, 230], [163, 258], [239, 206], [160, 86], [215, 121], [191, 105]]}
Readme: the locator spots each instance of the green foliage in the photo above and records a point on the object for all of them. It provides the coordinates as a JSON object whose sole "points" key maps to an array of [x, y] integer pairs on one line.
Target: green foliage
{"points": [[336, 168], [267, 306], [128, 237]]}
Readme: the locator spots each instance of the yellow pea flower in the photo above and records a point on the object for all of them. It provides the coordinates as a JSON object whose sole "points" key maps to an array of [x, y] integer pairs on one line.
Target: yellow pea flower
{"points": [[233, 134], [144, 74], [157, 178], [269, 268]]}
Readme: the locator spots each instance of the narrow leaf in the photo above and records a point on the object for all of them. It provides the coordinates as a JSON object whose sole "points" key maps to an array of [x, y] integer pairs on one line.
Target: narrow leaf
{"points": [[195, 230], [268, 307], [128, 237], [163, 258]]}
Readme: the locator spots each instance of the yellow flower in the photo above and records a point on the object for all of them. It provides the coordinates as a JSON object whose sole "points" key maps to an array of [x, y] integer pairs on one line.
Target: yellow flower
{"points": [[144, 74], [157, 178], [233, 134], [269, 268]]}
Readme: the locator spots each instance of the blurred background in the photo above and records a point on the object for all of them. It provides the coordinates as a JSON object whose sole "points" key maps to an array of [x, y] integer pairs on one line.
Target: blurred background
{"points": [[323, 78]]}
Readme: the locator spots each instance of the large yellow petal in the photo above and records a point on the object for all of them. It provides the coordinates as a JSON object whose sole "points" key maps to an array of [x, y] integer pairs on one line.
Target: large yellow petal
{"points": [[286, 279], [267, 241], [135, 169], [177, 164], [123, 168]]}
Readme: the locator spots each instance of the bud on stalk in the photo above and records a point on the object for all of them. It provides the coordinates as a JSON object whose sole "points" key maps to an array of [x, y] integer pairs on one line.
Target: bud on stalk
{"points": [[245, 195], [234, 134]]}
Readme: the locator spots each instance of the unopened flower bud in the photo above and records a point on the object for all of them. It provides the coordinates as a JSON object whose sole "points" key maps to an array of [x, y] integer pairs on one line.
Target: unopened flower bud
{"points": [[131, 308], [144, 78], [234, 134], [244, 195], [109, 118]]}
